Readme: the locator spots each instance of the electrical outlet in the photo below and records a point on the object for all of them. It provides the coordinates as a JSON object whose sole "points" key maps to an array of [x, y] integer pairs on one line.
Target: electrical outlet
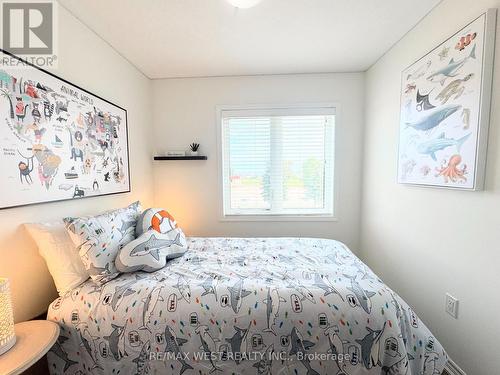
{"points": [[451, 306]]}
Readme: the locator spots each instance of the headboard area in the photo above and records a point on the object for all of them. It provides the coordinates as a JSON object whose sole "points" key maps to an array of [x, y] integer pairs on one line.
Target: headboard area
{"points": [[31, 284]]}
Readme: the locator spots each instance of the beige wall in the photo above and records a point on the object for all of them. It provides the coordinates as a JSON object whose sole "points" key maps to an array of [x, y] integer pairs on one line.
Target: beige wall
{"points": [[424, 242], [87, 61], [185, 111]]}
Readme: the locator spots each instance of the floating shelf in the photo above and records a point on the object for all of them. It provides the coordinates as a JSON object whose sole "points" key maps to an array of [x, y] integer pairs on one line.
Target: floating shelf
{"points": [[197, 157]]}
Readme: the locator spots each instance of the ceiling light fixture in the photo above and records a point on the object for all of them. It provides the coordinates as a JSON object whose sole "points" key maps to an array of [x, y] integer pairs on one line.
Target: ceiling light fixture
{"points": [[243, 4]]}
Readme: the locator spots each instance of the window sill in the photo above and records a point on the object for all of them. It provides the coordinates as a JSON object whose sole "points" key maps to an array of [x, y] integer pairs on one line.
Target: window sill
{"points": [[278, 218]]}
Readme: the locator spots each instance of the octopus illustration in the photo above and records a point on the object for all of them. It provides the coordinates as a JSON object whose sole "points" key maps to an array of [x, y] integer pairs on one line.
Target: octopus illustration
{"points": [[451, 171]]}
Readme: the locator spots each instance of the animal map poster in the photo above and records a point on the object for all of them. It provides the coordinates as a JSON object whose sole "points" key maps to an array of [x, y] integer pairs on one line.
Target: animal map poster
{"points": [[442, 100], [57, 141]]}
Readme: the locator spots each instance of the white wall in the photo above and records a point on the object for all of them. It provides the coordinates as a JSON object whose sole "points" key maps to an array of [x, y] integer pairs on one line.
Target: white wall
{"points": [[424, 242], [87, 61], [185, 111]]}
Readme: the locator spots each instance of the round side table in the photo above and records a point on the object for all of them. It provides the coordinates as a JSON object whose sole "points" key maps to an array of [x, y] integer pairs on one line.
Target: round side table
{"points": [[34, 339]]}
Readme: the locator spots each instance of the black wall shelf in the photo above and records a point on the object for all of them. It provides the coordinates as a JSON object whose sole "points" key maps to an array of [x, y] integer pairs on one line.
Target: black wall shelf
{"points": [[197, 157]]}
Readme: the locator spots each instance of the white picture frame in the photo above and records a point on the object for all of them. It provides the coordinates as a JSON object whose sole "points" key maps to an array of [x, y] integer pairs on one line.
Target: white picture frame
{"points": [[445, 110]]}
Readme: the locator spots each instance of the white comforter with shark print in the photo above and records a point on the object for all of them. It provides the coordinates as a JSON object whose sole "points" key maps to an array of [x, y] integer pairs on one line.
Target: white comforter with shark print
{"points": [[244, 306]]}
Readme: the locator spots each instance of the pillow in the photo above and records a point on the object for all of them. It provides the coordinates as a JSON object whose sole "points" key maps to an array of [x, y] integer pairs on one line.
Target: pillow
{"points": [[59, 252], [151, 251], [99, 238], [157, 219]]}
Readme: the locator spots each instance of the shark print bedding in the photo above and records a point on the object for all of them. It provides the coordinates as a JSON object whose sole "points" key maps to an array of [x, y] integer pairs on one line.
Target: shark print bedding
{"points": [[244, 306]]}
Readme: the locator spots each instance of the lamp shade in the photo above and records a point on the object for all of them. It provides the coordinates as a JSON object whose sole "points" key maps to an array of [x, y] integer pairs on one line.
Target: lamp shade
{"points": [[7, 334]]}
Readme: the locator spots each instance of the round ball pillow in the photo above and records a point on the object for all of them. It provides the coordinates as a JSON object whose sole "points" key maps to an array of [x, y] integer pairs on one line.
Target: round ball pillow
{"points": [[157, 219]]}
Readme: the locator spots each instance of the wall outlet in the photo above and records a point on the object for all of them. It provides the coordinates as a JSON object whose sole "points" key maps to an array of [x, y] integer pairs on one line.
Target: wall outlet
{"points": [[451, 306]]}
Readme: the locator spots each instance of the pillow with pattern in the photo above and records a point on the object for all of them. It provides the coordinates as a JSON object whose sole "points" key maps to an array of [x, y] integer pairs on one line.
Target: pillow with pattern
{"points": [[99, 238], [151, 251], [158, 240], [157, 219]]}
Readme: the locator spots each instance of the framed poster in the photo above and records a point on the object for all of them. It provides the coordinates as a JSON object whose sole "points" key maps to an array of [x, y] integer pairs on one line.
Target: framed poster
{"points": [[445, 105], [57, 140]]}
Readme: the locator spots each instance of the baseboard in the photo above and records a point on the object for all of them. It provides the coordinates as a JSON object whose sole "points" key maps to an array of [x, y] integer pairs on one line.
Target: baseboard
{"points": [[452, 368]]}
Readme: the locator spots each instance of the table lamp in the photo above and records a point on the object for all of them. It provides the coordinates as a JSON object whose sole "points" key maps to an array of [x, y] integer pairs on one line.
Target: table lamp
{"points": [[7, 334]]}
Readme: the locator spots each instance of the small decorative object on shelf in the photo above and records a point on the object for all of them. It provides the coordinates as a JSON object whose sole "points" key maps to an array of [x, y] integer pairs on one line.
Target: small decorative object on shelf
{"points": [[7, 334], [176, 153], [194, 148]]}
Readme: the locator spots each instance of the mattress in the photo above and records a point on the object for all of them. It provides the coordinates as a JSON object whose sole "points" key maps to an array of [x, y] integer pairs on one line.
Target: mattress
{"points": [[244, 306]]}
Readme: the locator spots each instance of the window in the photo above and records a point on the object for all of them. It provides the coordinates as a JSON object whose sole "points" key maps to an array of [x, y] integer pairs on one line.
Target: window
{"points": [[278, 161]]}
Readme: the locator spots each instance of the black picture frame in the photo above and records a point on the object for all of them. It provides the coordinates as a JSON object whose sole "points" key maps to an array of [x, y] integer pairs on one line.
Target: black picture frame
{"points": [[129, 179]]}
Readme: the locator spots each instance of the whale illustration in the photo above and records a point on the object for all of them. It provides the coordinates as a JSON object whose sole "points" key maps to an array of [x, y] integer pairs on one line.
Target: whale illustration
{"points": [[440, 143], [434, 118]]}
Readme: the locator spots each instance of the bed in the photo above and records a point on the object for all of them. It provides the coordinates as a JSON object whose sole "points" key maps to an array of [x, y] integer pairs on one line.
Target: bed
{"points": [[244, 306]]}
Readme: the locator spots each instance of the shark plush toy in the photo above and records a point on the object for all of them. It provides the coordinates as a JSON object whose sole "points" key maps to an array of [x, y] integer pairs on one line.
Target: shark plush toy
{"points": [[158, 240]]}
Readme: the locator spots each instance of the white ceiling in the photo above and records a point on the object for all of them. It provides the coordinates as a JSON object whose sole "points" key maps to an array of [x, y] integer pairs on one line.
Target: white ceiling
{"points": [[193, 38]]}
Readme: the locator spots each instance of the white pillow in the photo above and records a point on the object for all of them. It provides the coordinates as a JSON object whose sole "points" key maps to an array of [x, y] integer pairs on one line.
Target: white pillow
{"points": [[59, 252]]}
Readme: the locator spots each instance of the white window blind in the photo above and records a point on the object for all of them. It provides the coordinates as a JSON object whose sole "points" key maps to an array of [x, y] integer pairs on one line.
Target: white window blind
{"points": [[278, 161]]}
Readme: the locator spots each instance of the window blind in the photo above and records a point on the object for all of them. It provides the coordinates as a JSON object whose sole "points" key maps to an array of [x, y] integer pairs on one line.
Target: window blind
{"points": [[278, 162]]}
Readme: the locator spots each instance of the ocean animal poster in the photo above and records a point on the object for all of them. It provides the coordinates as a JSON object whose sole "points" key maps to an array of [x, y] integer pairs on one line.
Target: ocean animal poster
{"points": [[57, 141], [445, 104]]}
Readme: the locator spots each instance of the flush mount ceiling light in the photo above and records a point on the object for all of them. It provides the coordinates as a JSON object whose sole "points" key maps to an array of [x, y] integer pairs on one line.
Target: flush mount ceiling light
{"points": [[243, 4]]}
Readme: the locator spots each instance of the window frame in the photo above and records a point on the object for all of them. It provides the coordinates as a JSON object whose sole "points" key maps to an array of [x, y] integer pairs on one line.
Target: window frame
{"points": [[323, 108]]}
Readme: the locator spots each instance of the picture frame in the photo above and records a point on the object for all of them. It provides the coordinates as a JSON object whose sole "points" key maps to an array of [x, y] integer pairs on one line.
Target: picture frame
{"points": [[58, 141], [445, 110]]}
